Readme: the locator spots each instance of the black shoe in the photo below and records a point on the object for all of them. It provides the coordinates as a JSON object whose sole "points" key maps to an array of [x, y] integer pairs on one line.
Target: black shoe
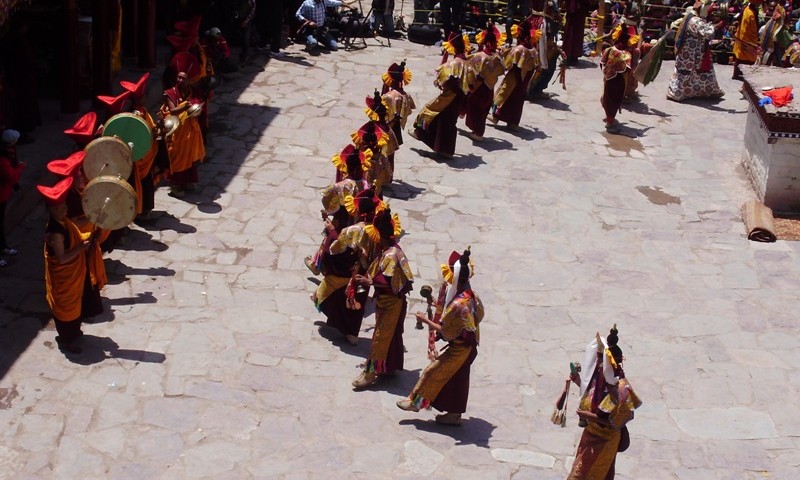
{"points": [[71, 347]]}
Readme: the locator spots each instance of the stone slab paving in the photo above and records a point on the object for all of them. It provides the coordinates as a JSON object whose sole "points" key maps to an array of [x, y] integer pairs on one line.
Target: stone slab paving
{"points": [[211, 363]]}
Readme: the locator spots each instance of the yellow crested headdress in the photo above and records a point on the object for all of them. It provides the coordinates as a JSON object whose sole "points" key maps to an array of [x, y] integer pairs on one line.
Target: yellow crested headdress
{"points": [[385, 225], [491, 35], [351, 158], [376, 107], [397, 74], [363, 203], [447, 268], [457, 43], [633, 40], [370, 135]]}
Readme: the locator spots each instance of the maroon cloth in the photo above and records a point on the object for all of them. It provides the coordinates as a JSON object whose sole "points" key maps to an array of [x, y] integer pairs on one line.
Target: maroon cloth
{"points": [[454, 394], [573, 30], [511, 111], [613, 93], [396, 354], [347, 321], [441, 134], [184, 178], [477, 108]]}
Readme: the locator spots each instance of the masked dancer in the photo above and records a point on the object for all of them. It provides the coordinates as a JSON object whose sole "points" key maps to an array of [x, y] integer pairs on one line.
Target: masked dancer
{"points": [[606, 406], [444, 384], [391, 277]]}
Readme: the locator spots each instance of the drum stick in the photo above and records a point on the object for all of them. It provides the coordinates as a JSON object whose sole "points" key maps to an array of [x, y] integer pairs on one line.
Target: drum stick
{"points": [[99, 215]]}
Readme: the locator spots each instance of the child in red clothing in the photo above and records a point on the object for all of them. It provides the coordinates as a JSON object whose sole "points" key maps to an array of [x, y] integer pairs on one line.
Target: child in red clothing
{"points": [[10, 173]]}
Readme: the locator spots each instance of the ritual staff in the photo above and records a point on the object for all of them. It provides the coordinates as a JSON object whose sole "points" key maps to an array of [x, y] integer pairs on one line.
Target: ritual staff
{"points": [[520, 62], [616, 63], [488, 67], [67, 280], [391, 277], [347, 253], [351, 166], [186, 148], [398, 101], [444, 384], [435, 125], [745, 42], [694, 71], [143, 182], [606, 406]]}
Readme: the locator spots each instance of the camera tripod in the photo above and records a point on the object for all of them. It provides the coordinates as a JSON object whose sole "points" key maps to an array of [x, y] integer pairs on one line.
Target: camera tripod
{"points": [[356, 32]]}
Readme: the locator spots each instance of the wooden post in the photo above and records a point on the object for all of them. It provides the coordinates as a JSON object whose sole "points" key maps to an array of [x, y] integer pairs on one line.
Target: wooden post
{"points": [[101, 48], [130, 28], [601, 26], [146, 48], [70, 88]]}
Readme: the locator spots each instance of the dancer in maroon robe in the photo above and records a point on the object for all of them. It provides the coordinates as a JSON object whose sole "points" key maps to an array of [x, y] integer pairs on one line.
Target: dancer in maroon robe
{"points": [[488, 67]]}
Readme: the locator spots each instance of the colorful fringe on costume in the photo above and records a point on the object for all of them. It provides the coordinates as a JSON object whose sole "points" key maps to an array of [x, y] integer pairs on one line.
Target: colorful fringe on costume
{"points": [[421, 402], [375, 366]]}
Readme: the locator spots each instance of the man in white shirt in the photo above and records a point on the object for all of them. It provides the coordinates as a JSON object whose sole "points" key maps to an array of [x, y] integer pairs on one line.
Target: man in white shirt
{"points": [[312, 14]]}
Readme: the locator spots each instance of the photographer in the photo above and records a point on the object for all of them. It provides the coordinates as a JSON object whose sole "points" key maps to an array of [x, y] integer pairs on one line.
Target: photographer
{"points": [[382, 17], [312, 15]]}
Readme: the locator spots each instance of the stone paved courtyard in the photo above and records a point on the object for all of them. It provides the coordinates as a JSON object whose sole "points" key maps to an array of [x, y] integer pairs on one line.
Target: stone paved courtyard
{"points": [[211, 362]]}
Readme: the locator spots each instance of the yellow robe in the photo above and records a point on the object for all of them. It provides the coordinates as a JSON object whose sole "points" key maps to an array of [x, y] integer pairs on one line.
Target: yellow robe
{"points": [[747, 32], [64, 282]]}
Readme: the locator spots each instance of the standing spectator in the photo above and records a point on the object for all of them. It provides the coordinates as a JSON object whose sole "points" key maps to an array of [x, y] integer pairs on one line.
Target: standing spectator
{"points": [[382, 17], [218, 51], [270, 25], [745, 47], [452, 13], [572, 44], [244, 17], [312, 15], [10, 172]]}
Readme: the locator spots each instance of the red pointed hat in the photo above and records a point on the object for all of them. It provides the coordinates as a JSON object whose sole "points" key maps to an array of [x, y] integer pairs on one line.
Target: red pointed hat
{"points": [[69, 166], [180, 43], [189, 28], [137, 89], [57, 193], [114, 105], [185, 62], [83, 130]]}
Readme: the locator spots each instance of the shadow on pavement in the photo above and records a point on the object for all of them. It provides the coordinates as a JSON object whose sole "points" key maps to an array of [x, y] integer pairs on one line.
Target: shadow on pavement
{"points": [[473, 430], [140, 298], [97, 349], [490, 144], [401, 190], [399, 384], [552, 104], [167, 221], [338, 340], [140, 241]]}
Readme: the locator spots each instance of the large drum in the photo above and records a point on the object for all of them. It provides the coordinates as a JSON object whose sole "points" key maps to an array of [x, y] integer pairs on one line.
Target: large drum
{"points": [[109, 202], [107, 156], [131, 129]]}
